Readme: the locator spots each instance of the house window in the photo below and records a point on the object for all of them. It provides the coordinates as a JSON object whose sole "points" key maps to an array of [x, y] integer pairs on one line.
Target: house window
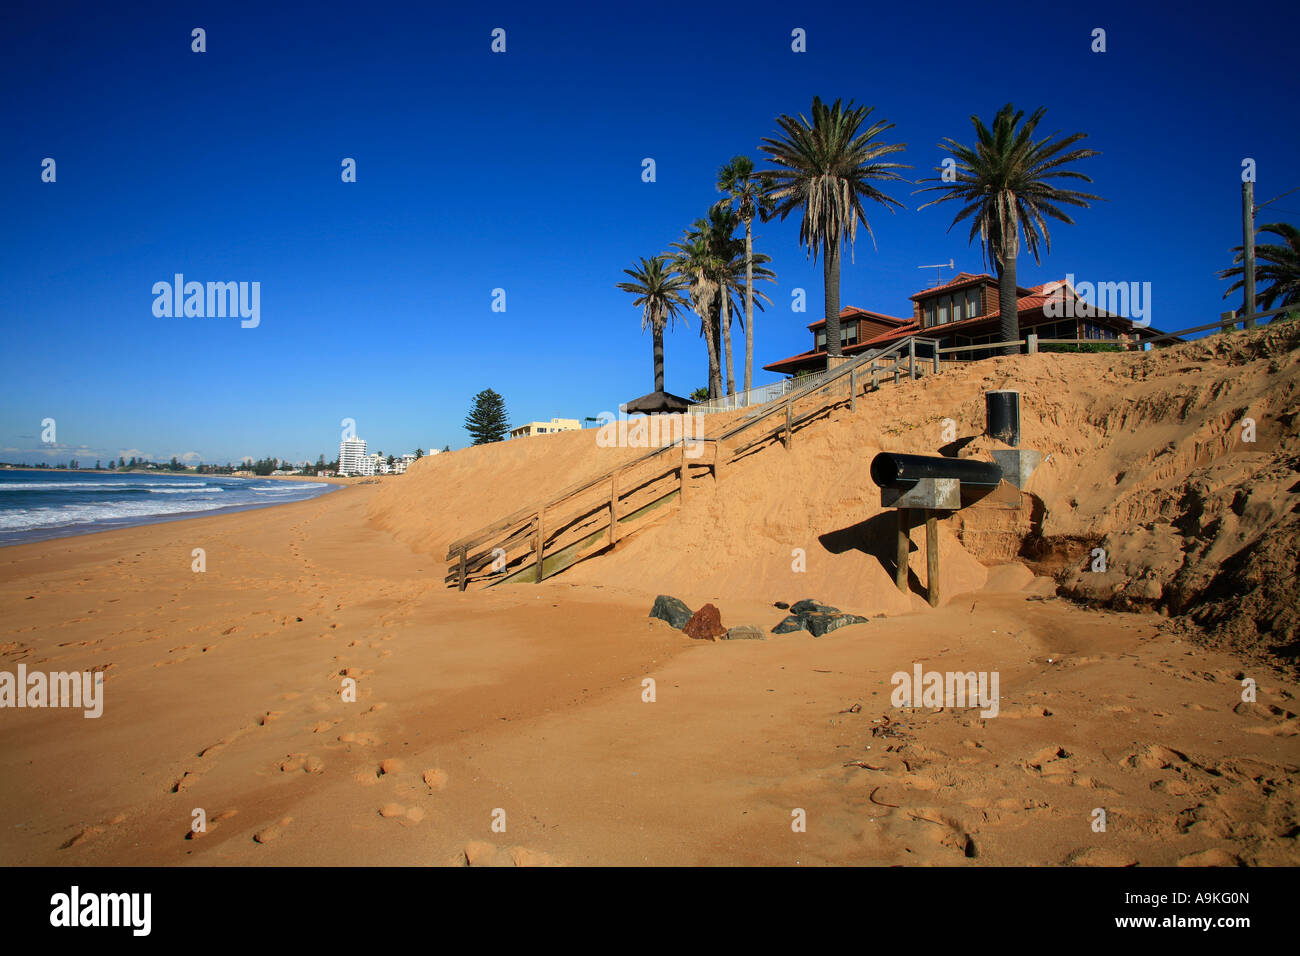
{"points": [[972, 302], [1093, 331], [848, 336], [942, 306], [929, 313]]}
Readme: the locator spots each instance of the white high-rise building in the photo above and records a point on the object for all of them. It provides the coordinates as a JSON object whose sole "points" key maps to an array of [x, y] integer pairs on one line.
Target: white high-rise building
{"points": [[351, 453]]}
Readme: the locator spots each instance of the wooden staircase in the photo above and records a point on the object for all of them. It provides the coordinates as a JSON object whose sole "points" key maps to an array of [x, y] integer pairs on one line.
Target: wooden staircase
{"points": [[543, 539]]}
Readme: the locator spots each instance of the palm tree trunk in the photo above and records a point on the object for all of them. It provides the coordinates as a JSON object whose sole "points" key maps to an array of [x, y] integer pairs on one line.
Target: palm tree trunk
{"points": [[726, 338], [716, 311], [749, 305], [710, 340], [831, 272], [1009, 320], [659, 356]]}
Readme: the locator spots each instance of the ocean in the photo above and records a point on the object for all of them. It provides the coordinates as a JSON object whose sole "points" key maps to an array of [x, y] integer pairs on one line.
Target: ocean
{"points": [[40, 504]]}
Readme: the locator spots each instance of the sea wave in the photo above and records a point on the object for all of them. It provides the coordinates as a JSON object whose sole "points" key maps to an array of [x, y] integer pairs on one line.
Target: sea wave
{"points": [[119, 485], [29, 519]]}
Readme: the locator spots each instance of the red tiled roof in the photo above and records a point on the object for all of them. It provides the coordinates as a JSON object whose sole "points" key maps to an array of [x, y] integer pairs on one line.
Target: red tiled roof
{"points": [[960, 278], [850, 311]]}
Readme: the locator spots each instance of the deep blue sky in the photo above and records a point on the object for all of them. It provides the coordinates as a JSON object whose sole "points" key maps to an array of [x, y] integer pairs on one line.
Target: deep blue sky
{"points": [[523, 171]]}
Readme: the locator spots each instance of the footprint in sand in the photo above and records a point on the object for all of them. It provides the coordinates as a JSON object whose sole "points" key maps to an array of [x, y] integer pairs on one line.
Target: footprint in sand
{"points": [[273, 832], [1278, 722], [361, 738], [84, 835], [436, 779], [185, 781], [1155, 757], [303, 762], [1099, 856], [480, 853], [1051, 763], [1215, 857], [213, 823], [946, 832]]}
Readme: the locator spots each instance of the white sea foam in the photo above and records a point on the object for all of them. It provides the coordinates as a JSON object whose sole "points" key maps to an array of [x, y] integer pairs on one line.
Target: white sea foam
{"points": [[28, 519], [119, 485]]}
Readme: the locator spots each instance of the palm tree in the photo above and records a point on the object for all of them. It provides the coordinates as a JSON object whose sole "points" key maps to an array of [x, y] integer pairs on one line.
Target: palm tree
{"points": [[738, 278], [1278, 265], [745, 191], [1003, 180], [694, 261], [826, 168], [659, 293], [719, 231]]}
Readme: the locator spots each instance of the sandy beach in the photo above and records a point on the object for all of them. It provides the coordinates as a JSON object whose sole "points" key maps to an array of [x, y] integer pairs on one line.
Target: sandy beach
{"points": [[510, 725]]}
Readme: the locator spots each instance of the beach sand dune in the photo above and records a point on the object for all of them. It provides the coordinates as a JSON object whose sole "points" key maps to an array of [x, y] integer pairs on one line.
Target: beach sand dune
{"points": [[515, 725]]}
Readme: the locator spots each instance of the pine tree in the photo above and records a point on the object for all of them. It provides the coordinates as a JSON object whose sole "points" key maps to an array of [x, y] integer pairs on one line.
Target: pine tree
{"points": [[487, 419]]}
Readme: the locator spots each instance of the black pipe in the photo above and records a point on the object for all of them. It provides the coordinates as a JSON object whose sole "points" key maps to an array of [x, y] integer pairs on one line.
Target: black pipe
{"points": [[1002, 415], [890, 470]]}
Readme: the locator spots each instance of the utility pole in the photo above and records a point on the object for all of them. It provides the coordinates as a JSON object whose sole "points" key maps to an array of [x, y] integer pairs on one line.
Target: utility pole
{"points": [[1248, 210], [1248, 250]]}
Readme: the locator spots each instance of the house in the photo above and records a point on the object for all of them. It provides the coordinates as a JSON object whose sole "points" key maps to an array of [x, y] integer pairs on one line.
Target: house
{"points": [[545, 428], [965, 311]]}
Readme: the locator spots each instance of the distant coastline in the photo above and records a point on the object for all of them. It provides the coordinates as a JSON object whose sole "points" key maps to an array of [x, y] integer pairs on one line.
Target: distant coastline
{"points": [[153, 472]]}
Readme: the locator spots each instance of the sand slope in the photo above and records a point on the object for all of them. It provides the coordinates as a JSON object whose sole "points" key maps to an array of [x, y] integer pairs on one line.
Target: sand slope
{"points": [[1144, 458], [514, 725]]}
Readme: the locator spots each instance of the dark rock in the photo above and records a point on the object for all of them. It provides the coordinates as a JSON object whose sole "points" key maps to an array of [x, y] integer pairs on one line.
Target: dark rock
{"points": [[808, 605], [705, 624], [670, 609], [743, 632], [820, 624], [791, 623], [781, 604]]}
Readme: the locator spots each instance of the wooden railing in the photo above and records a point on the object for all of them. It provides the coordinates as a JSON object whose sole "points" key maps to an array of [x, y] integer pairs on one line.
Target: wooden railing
{"points": [[534, 542], [1228, 322]]}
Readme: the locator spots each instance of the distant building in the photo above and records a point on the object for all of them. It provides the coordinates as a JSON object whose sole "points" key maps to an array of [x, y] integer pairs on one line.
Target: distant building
{"points": [[351, 453], [545, 428]]}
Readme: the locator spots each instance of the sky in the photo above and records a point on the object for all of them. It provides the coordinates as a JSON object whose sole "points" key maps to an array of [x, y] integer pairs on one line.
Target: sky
{"points": [[522, 171]]}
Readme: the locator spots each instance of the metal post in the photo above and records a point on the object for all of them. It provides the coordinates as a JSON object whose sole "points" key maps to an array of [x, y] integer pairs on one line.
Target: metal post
{"points": [[789, 432], [1032, 341], [904, 545], [537, 543], [911, 359], [682, 470], [874, 375], [1228, 321], [853, 390], [613, 508], [932, 557], [1248, 249]]}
